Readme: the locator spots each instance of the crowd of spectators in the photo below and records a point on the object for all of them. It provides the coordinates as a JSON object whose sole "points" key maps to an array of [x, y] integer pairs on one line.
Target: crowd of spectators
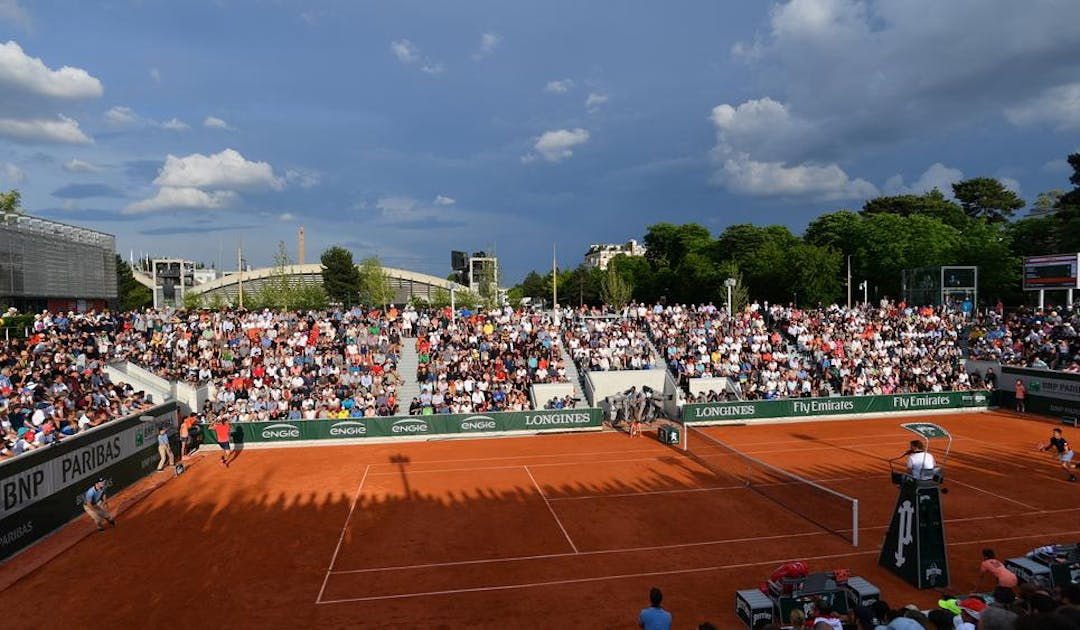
{"points": [[1036, 338], [53, 383], [788, 352], [601, 341], [485, 361]]}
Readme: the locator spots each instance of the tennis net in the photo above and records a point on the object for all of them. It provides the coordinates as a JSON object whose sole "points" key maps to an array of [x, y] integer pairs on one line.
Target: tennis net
{"points": [[825, 507]]}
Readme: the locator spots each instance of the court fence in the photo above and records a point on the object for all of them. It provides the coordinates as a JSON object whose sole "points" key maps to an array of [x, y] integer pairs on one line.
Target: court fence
{"points": [[744, 410], [414, 427], [42, 490]]}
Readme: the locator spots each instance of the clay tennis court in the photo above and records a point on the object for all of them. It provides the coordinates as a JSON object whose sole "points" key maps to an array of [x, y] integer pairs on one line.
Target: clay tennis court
{"points": [[564, 531]]}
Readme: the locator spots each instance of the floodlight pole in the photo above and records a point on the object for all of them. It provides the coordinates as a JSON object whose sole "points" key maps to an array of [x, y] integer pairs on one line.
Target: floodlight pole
{"points": [[730, 284], [849, 281]]}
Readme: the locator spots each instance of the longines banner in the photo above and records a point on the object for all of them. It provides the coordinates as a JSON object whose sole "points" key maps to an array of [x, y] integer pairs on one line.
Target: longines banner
{"points": [[40, 490], [836, 406], [412, 426]]}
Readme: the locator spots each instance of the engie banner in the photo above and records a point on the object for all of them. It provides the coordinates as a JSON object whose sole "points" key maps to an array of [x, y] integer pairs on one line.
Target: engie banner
{"points": [[412, 426], [835, 406], [1048, 391], [41, 490]]}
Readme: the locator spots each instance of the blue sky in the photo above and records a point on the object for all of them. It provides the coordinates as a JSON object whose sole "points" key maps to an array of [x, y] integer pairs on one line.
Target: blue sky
{"points": [[407, 129]]}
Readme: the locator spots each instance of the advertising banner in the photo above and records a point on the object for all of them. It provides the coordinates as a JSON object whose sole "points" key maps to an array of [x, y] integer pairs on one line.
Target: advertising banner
{"points": [[41, 490], [412, 426], [809, 407]]}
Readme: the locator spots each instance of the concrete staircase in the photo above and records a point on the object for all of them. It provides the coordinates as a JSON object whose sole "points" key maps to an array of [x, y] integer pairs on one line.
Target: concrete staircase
{"points": [[573, 375], [407, 364]]}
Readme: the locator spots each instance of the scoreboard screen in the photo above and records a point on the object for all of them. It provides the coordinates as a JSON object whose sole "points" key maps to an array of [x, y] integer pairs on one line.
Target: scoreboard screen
{"points": [[1051, 272]]}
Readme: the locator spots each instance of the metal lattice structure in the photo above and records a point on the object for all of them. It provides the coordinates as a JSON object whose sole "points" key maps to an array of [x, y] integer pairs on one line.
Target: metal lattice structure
{"points": [[42, 260]]}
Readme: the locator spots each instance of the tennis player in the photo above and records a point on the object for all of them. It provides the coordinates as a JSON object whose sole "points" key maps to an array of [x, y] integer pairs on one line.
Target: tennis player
{"points": [[1064, 452], [221, 432]]}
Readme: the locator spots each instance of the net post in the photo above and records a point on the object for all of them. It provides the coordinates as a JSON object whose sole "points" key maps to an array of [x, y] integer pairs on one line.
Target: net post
{"points": [[685, 436], [855, 523]]}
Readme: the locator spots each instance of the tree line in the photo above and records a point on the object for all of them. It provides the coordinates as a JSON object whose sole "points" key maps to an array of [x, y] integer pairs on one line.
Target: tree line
{"points": [[977, 227]]}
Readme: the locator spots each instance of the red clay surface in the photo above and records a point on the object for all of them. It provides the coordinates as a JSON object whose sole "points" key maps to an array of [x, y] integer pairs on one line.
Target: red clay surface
{"points": [[565, 531]]}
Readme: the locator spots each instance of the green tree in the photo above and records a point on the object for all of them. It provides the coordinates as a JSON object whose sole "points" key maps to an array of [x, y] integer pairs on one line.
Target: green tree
{"points": [[932, 204], [131, 294], [11, 202], [374, 283], [192, 301], [341, 278], [740, 295], [891, 243], [668, 244], [815, 274], [989, 247], [987, 199], [615, 291], [1046, 202], [839, 230], [217, 302]]}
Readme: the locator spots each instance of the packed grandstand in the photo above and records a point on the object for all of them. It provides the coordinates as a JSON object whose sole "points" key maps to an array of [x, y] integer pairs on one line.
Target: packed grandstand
{"points": [[344, 363]]}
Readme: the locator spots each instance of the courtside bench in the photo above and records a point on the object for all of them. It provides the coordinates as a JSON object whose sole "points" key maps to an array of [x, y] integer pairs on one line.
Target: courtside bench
{"points": [[1069, 420]]}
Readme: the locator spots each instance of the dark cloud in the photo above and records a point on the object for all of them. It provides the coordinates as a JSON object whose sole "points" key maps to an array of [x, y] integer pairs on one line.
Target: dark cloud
{"points": [[85, 191]]}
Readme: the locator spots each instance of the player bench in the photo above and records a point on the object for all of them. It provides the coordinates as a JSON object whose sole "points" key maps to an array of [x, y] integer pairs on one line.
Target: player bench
{"points": [[1069, 420]]}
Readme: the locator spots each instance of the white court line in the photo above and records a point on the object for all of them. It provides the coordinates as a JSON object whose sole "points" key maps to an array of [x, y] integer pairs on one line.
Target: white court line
{"points": [[720, 567], [820, 532], [993, 494], [551, 509], [352, 506]]}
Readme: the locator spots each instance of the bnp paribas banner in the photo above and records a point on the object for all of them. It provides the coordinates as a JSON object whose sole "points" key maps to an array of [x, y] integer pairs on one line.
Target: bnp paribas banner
{"points": [[797, 407], [1048, 391], [413, 426]]}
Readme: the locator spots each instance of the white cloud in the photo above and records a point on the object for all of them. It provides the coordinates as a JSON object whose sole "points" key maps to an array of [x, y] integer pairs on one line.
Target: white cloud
{"points": [[227, 169], [1011, 183], [595, 100], [11, 175], [119, 115], [443, 200], [398, 209], [20, 72], [170, 198], [936, 176], [829, 182], [488, 43], [63, 130], [752, 142], [175, 124], [75, 165], [408, 54], [213, 122], [155, 74], [286, 216], [557, 145], [1057, 107], [10, 11], [302, 178], [559, 86], [405, 51]]}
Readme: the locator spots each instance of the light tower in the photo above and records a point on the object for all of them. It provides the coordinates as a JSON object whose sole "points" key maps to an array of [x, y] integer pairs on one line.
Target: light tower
{"points": [[300, 249]]}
